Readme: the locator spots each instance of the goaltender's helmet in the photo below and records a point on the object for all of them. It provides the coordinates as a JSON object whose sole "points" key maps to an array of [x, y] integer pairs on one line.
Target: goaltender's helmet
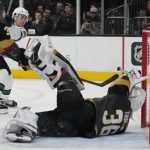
{"points": [[137, 98], [20, 11]]}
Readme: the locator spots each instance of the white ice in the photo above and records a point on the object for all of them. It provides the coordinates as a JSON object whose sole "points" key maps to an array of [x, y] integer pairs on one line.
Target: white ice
{"points": [[39, 96]]}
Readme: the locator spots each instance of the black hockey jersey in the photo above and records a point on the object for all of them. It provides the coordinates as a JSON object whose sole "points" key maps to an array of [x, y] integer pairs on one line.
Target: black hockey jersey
{"points": [[5, 41], [112, 115]]}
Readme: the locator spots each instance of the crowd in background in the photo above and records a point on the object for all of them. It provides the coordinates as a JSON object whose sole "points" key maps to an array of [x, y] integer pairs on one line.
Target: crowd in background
{"points": [[58, 17], [48, 16], [57, 21]]}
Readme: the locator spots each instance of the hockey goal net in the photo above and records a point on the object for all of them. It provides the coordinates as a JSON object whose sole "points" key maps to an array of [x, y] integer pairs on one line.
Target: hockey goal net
{"points": [[145, 111]]}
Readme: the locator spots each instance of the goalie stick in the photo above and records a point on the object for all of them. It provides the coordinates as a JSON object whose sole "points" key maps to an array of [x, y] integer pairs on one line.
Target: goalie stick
{"points": [[109, 80], [122, 70]]}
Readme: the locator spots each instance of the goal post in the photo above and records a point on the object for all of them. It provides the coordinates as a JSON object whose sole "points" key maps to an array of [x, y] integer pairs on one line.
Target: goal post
{"points": [[145, 111]]}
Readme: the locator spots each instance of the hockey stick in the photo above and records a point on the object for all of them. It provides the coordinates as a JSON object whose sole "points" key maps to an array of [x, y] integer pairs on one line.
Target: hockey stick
{"points": [[122, 70], [109, 80], [9, 7]]}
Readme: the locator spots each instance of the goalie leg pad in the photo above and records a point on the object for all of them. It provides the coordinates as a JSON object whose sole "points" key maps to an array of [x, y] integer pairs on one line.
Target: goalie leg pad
{"points": [[23, 126], [41, 62], [48, 63], [62, 61], [21, 134]]}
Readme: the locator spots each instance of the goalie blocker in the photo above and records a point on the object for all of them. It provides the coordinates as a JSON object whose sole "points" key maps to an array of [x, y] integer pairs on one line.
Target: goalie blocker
{"points": [[48, 62]]}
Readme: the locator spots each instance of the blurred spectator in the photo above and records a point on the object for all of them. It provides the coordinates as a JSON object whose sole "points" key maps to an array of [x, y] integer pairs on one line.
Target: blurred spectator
{"points": [[47, 13], [114, 21], [48, 20], [91, 24], [142, 13], [60, 8], [87, 15], [40, 8], [139, 23], [67, 22], [147, 14], [38, 24], [46, 3], [59, 12]]}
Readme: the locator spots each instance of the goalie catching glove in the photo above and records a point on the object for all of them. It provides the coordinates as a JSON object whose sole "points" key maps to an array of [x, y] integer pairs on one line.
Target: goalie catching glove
{"points": [[23, 126], [136, 94], [137, 97]]}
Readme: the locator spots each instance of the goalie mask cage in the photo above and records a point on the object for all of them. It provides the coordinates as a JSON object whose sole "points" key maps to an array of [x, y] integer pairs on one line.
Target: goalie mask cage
{"points": [[145, 111]]}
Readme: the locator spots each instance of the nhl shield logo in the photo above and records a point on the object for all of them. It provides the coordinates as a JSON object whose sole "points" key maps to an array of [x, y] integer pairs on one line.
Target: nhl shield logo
{"points": [[136, 53]]}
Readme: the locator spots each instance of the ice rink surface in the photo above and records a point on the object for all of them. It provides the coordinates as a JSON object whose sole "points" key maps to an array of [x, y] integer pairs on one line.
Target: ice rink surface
{"points": [[39, 96]]}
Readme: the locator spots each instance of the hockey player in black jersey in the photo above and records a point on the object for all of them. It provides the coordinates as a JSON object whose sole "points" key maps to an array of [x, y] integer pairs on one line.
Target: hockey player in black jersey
{"points": [[75, 116], [8, 48], [39, 54]]}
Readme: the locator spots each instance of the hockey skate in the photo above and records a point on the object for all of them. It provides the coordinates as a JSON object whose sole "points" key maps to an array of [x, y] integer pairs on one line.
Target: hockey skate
{"points": [[4, 104], [22, 127]]}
